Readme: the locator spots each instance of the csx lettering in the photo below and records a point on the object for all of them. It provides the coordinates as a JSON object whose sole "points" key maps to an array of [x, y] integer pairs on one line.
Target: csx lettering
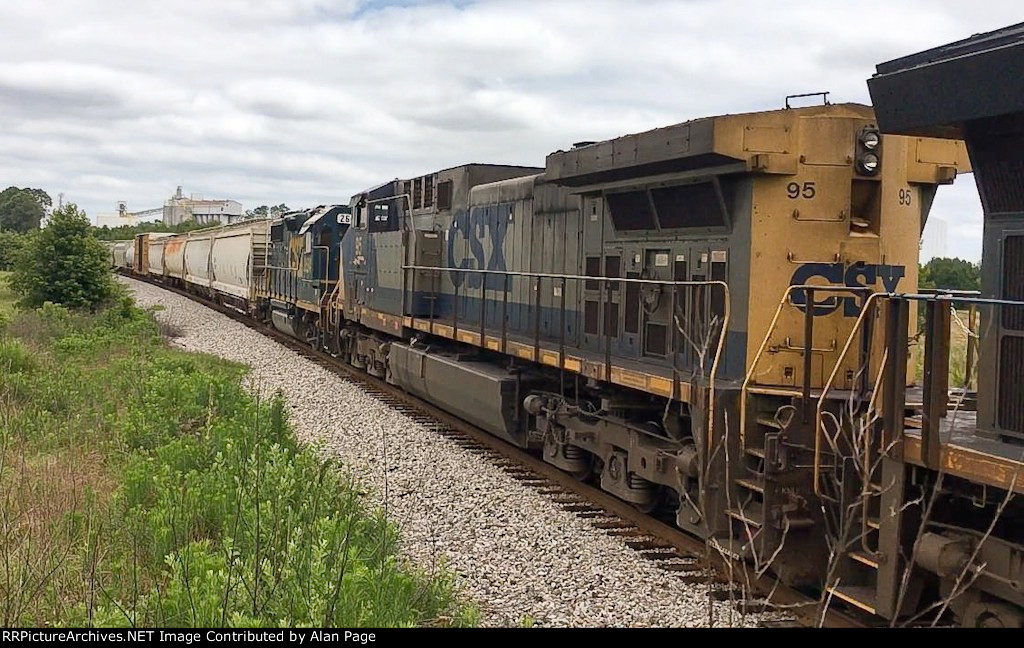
{"points": [[472, 227], [858, 275]]}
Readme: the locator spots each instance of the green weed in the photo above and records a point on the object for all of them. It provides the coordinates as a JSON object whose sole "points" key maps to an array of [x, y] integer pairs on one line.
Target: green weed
{"points": [[155, 491]]}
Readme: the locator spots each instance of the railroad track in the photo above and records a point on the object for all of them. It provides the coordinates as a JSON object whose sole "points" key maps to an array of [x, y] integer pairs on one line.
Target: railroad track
{"points": [[675, 552]]}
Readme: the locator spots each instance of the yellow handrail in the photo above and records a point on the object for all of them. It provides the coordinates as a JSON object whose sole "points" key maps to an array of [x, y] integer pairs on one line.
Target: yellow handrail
{"points": [[752, 370], [827, 385], [760, 352]]}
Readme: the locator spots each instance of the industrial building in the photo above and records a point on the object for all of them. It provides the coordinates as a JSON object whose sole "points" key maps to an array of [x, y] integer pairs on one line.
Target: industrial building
{"points": [[179, 208]]}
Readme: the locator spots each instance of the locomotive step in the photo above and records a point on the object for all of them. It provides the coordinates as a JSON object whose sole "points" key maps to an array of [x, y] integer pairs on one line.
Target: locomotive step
{"points": [[751, 515], [864, 559], [753, 484], [755, 452], [735, 548], [862, 596], [768, 419]]}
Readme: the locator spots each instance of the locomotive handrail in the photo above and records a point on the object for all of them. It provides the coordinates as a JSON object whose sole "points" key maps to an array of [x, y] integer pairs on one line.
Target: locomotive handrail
{"points": [[268, 278], [294, 271], [939, 296], [827, 386], [953, 296], [726, 314], [783, 302], [551, 275], [948, 291]]}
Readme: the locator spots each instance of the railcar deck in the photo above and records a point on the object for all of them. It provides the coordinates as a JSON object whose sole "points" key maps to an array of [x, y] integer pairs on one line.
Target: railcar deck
{"points": [[966, 453]]}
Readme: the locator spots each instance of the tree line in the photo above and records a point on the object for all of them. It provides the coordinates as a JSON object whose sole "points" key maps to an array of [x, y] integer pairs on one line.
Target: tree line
{"points": [[264, 211], [21, 211], [950, 274], [63, 263]]}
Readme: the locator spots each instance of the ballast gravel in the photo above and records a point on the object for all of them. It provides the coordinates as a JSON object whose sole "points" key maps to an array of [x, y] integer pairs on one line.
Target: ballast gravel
{"points": [[519, 557]]}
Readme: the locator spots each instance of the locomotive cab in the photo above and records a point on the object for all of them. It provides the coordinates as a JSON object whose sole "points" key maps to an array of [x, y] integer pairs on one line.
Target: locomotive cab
{"points": [[303, 267]]}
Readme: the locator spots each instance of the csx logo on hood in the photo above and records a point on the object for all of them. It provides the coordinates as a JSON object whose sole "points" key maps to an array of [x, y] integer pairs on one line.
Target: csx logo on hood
{"points": [[858, 275]]}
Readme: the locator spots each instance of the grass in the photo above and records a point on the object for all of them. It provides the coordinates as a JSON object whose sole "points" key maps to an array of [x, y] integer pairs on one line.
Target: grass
{"points": [[957, 353], [7, 297], [143, 486]]}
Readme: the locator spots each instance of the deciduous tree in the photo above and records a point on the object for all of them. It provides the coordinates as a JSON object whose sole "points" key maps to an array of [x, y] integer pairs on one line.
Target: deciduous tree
{"points": [[63, 263], [22, 210], [951, 274], [10, 244]]}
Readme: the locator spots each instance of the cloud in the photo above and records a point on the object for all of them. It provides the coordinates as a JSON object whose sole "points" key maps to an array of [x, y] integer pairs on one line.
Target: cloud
{"points": [[307, 101]]}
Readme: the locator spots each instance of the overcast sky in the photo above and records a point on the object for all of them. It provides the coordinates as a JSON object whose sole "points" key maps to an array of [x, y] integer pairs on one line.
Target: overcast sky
{"points": [[310, 101]]}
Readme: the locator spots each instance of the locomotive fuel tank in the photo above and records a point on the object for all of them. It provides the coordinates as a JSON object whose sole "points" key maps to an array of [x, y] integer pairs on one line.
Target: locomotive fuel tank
{"points": [[486, 395]]}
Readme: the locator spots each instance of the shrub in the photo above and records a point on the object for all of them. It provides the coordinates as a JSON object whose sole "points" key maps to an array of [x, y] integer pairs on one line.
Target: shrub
{"points": [[10, 244], [15, 358], [63, 263]]}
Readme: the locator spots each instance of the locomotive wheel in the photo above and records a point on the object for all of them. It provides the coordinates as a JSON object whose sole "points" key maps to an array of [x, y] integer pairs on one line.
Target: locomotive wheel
{"points": [[582, 474]]}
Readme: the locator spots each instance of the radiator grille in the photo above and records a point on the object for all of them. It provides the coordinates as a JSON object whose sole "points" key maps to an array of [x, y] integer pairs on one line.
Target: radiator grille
{"points": [[1013, 281], [1011, 384]]}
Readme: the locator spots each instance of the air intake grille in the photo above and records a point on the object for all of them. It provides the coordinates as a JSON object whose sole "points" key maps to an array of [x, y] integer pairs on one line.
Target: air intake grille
{"points": [[1011, 384], [1013, 282], [654, 342], [695, 205]]}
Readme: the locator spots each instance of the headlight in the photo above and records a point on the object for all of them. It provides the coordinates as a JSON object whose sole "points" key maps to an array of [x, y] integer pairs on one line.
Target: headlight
{"points": [[870, 140], [868, 163]]}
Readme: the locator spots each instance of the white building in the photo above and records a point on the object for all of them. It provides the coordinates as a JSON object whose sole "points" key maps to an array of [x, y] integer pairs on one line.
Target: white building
{"points": [[124, 217], [933, 242], [113, 219], [179, 208]]}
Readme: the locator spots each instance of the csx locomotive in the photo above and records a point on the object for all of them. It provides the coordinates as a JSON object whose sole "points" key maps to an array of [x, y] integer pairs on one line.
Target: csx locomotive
{"points": [[716, 320]]}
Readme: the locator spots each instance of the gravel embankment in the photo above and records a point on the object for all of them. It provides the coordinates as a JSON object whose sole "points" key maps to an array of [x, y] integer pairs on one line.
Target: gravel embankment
{"points": [[516, 554]]}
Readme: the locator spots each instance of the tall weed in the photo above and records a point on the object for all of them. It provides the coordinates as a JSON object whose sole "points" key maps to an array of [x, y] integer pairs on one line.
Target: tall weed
{"points": [[174, 497]]}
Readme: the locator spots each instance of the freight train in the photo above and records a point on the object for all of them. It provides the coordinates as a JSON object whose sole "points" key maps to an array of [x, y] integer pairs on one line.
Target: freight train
{"points": [[716, 321]]}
